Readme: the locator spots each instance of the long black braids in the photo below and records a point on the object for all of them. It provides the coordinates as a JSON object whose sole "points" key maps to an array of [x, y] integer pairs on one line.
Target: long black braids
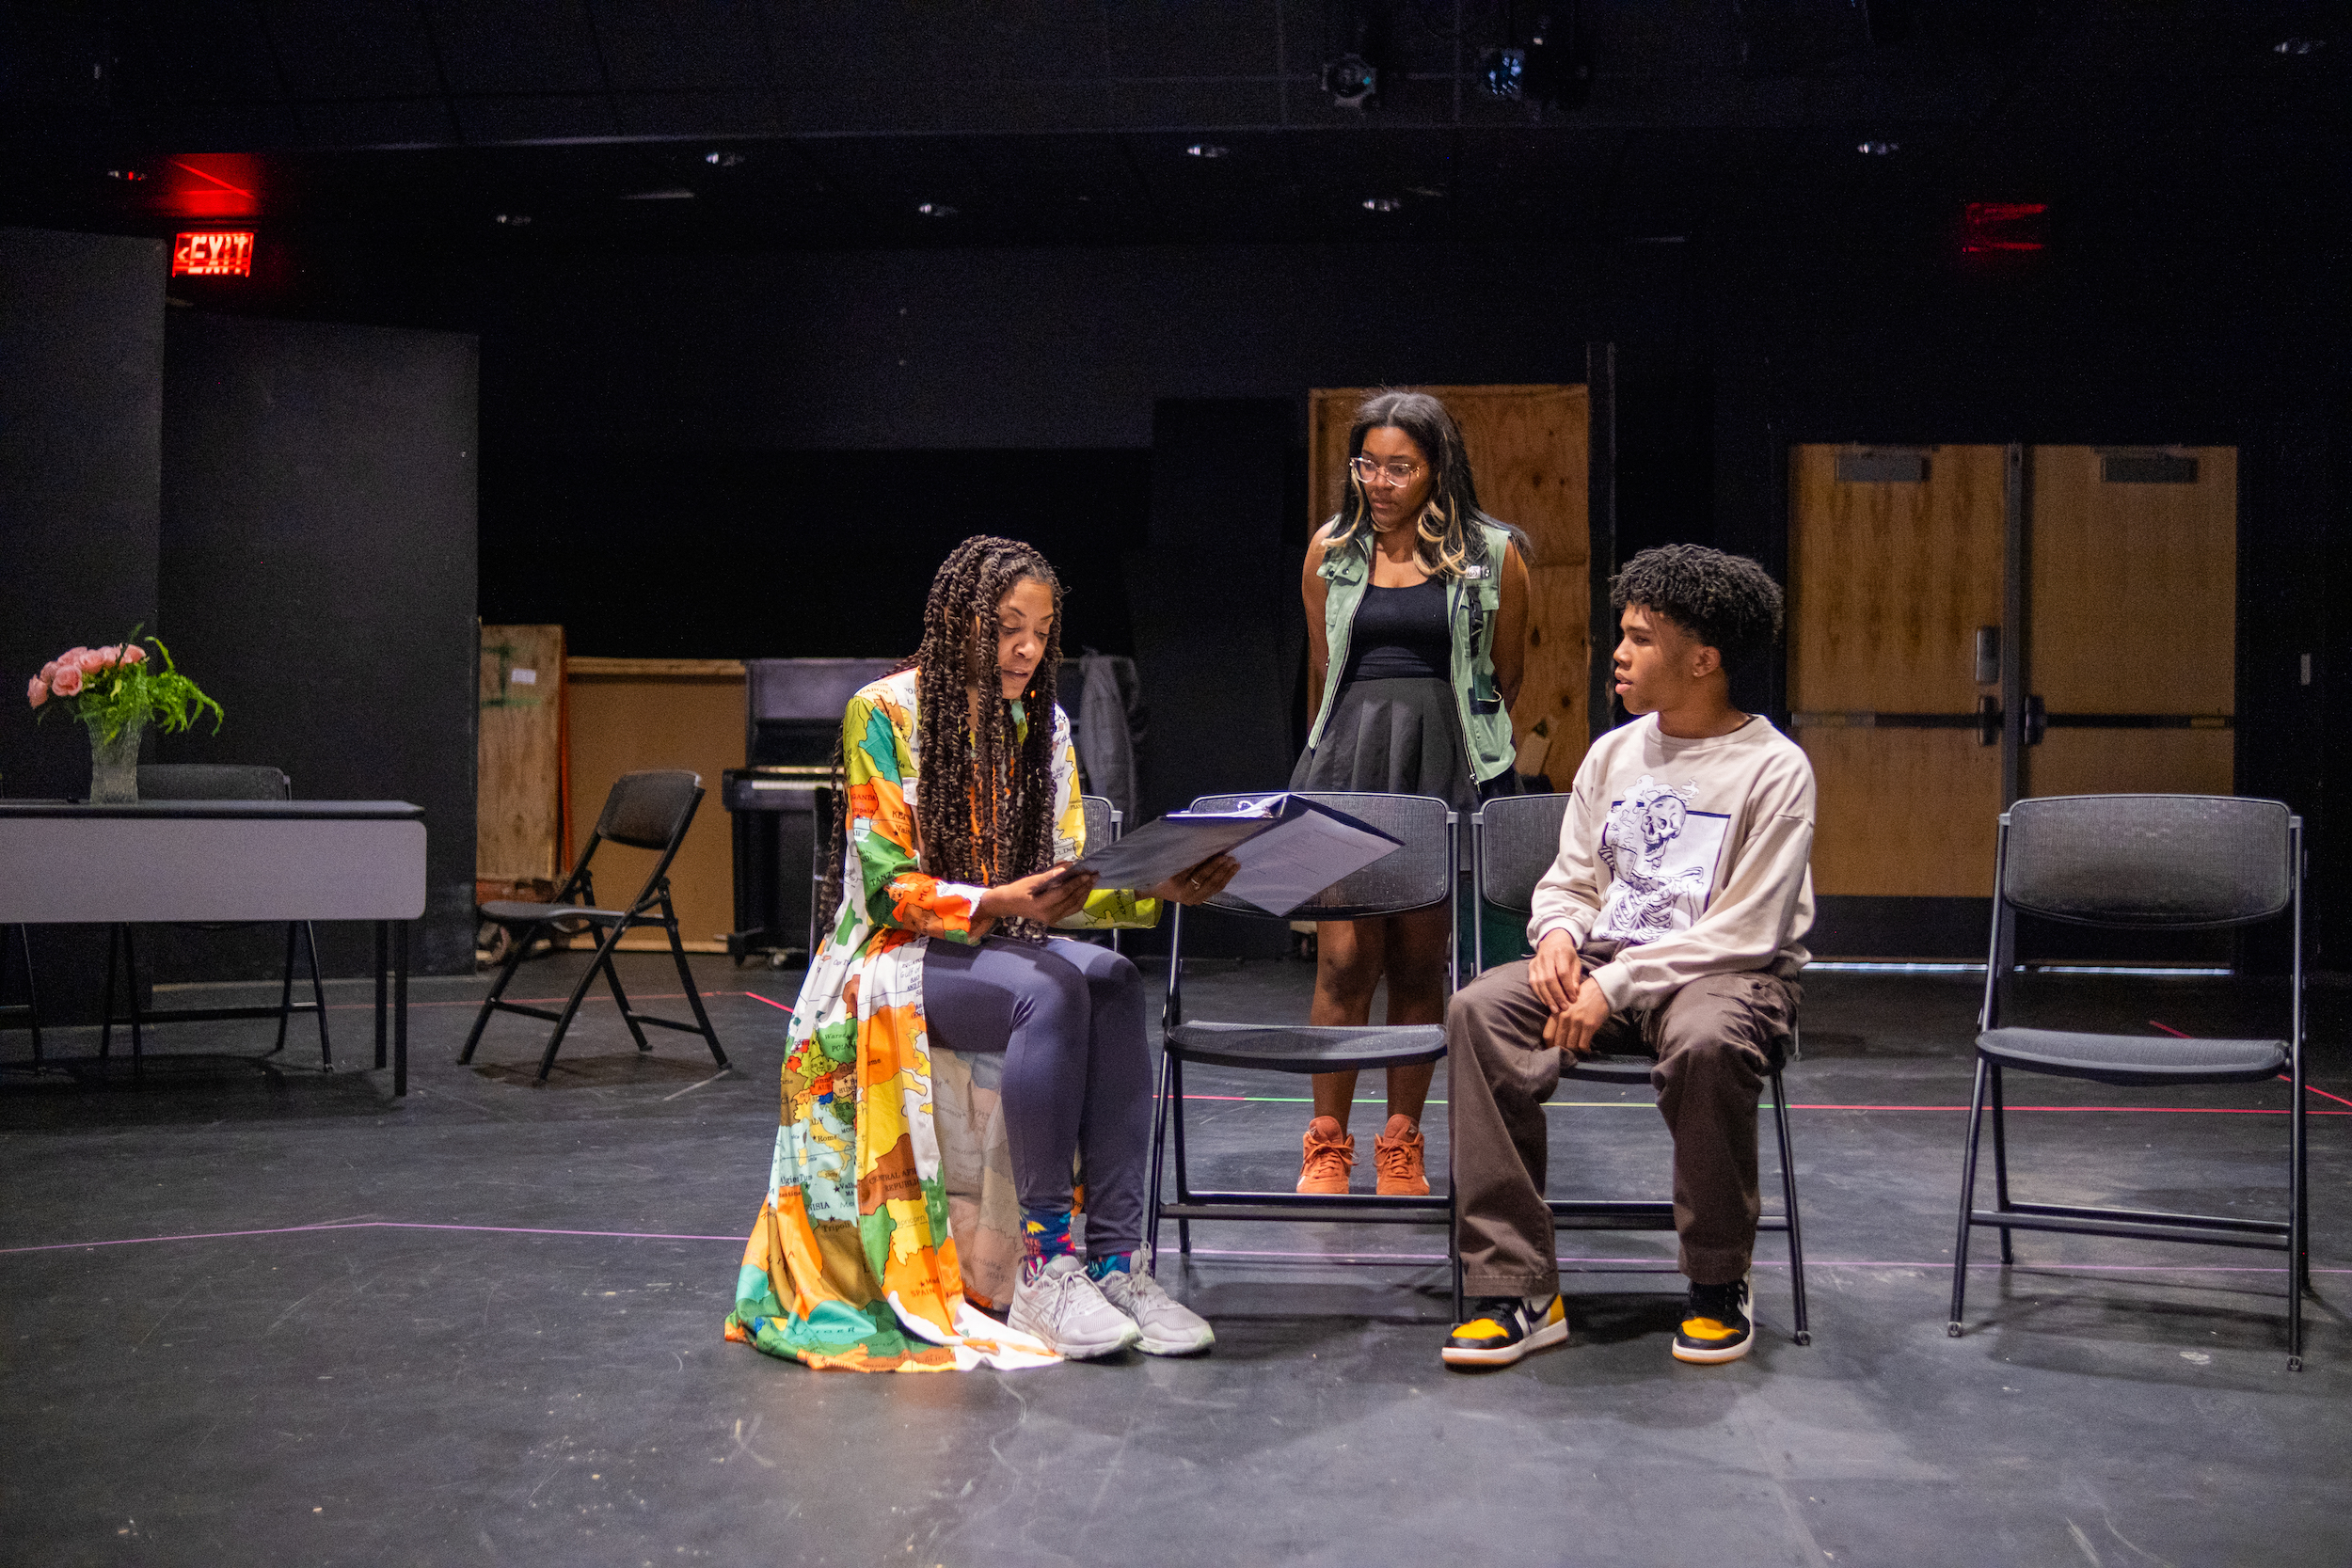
{"points": [[984, 805]]}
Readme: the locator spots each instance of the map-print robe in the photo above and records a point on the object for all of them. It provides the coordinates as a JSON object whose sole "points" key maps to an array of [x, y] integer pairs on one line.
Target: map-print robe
{"points": [[852, 1262]]}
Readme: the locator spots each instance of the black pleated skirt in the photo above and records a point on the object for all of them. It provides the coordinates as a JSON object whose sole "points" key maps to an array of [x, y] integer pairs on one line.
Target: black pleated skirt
{"points": [[1393, 737]]}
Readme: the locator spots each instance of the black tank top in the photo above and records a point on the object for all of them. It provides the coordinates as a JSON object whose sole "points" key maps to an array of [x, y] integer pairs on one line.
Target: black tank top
{"points": [[1401, 634]]}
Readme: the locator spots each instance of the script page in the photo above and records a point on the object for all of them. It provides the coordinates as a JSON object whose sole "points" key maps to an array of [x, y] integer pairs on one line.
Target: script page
{"points": [[1284, 866]]}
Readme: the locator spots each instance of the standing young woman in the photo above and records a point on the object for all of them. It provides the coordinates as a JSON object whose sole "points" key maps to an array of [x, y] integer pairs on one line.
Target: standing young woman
{"points": [[1420, 599], [962, 799]]}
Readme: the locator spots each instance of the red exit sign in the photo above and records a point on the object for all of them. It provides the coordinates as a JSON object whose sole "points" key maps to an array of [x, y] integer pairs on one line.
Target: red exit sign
{"points": [[213, 253]]}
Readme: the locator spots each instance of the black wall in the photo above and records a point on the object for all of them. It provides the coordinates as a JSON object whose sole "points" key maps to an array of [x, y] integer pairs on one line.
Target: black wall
{"points": [[1729, 348], [319, 575], [81, 406]]}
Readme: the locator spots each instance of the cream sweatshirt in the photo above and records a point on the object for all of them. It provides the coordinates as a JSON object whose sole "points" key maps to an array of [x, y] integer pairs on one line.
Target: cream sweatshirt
{"points": [[1683, 858]]}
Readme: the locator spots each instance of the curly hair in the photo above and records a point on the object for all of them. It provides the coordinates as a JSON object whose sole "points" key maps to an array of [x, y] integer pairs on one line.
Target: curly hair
{"points": [[1450, 524], [984, 810], [1728, 602]]}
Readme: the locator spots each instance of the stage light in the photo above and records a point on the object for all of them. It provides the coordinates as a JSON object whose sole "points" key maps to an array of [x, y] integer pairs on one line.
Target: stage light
{"points": [[1351, 81], [213, 253], [124, 174], [2299, 46], [1384, 203], [1207, 149], [936, 210], [723, 160], [1503, 71], [676, 192], [1878, 149], [513, 220]]}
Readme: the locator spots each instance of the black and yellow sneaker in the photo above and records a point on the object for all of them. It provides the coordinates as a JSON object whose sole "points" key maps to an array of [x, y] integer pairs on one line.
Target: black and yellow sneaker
{"points": [[1500, 1329], [1715, 1325]]}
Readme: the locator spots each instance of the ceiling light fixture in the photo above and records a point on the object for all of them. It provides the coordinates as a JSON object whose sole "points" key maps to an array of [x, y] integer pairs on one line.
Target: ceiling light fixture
{"points": [[1351, 81], [936, 210], [1878, 149], [1503, 71], [1207, 149], [1383, 203]]}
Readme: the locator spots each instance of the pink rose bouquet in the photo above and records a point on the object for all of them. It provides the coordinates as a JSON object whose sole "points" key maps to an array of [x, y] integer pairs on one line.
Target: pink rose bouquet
{"points": [[116, 688]]}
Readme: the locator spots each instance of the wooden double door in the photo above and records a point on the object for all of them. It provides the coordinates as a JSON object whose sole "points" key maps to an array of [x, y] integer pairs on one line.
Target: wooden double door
{"points": [[1973, 624]]}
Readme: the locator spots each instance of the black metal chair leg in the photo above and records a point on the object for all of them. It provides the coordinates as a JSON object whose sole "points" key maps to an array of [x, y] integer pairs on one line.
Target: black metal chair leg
{"points": [[1789, 1200], [1159, 1149], [1183, 1182], [2000, 1161], [686, 978], [285, 991], [580, 993], [489, 1003], [130, 973], [318, 995], [2298, 1261], [1967, 1204], [612, 979], [107, 1006]]}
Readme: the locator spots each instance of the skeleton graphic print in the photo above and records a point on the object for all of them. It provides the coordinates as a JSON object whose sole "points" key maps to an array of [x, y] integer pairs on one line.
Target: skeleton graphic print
{"points": [[1662, 857]]}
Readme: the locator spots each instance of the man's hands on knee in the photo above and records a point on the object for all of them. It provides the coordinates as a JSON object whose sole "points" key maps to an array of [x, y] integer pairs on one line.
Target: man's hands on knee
{"points": [[1578, 1008]]}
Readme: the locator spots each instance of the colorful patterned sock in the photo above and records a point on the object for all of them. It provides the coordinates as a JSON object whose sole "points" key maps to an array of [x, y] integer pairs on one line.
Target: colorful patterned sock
{"points": [[1045, 1236], [1110, 1262]]}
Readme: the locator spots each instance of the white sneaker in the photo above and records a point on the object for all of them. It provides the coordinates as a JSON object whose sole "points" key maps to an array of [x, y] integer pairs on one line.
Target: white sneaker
{"points": [[1169, 1327], [1062, 1307]]}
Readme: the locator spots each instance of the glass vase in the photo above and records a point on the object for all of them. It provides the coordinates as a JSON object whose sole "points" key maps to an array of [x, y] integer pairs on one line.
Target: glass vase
{"points": [[114, 764]]}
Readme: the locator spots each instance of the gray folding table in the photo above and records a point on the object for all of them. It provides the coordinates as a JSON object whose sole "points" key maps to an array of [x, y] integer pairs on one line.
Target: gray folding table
{"points": [[192, 860]]}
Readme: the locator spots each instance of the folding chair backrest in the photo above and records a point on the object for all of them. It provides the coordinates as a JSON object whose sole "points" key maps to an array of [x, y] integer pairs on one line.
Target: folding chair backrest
{"points": [[1518, 838], [648, 810], [1102, 831], [2177, 861], [1412, 878], [211, 781]]}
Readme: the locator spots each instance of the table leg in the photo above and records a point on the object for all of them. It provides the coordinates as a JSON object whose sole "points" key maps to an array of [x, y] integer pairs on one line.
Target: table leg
{"points": [[381, 941], [400, 1008]]}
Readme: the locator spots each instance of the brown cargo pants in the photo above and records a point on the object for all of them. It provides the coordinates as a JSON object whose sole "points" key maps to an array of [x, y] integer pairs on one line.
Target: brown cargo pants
{"points": [[1714, 1041]]}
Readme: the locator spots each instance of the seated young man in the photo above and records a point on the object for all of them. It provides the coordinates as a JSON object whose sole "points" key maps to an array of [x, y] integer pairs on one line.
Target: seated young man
{"points": [[1669, 924]]}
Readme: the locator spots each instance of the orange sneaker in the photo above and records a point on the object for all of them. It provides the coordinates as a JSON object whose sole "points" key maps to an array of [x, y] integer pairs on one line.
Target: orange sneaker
{"points": [[1325, 1156], [1396, 1158]]}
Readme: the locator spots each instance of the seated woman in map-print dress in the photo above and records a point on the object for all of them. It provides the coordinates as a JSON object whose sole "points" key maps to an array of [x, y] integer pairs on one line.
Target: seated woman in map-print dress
{"points": [[961, 784]]}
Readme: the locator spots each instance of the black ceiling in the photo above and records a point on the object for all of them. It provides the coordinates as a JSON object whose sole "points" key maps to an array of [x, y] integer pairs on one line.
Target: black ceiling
{"points": [[834, 123]]}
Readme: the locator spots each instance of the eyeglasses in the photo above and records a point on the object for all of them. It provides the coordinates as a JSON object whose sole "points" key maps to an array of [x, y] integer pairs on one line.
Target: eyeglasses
{"points": [[1370, 470]]}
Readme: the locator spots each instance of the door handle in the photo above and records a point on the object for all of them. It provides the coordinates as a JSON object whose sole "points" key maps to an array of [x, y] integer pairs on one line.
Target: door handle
{"points": [[2037, 721], [1988, 721]]}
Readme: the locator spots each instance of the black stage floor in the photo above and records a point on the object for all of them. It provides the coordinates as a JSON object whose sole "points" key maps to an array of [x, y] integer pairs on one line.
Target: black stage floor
{"points": [[257, 1318]]}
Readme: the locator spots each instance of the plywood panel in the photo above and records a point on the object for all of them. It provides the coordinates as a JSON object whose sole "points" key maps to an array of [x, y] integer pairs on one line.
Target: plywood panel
{"points": [[1528, 447], [630, 713], [2134, 587], [1890, 582], [1903, 813], [518, 780], [2132, 762]]}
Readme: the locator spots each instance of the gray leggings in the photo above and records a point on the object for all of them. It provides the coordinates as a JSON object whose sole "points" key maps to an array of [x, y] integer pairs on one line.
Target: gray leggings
{"points": [[1068, 1019]]}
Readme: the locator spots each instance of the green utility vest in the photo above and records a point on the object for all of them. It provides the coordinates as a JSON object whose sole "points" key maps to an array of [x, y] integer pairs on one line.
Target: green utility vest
{"points": [[1472, 601]]}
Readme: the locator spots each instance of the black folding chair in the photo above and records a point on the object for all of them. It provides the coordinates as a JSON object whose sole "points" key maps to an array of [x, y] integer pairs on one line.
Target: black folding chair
{"points": [[1515, 840], [201, 780], [1414, 877], [2181, 863], [645, 811]]}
